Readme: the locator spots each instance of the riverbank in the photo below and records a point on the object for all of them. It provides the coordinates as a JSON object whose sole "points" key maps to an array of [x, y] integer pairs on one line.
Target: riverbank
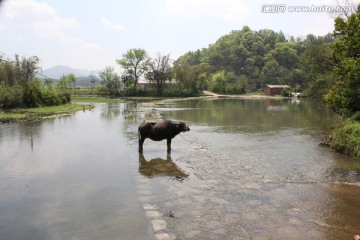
{"points": [[34, 114], [243, 96]]}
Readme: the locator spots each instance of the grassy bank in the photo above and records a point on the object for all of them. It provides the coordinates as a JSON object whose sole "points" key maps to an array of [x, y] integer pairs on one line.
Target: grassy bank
{"points": [[33, 114], [346, 138], [94, 99]]}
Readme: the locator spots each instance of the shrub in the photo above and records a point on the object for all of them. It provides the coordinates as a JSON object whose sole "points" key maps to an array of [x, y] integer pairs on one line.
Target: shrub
{"points": [[356, 117], [11, 97], [65, 97], [49, 97], [32, 93], [102, 91], [286, 92], [346, 139]]}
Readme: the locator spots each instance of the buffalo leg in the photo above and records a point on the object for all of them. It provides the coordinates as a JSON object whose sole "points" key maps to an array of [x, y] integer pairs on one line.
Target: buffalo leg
{"points": [[169, 144], [141, 142]]}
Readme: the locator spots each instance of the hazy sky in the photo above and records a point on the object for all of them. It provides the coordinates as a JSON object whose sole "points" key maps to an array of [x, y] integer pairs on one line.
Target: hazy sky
{"points": [[89, 34]]}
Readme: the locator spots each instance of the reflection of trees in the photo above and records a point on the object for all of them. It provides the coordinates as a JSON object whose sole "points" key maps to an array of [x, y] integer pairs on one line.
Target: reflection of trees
{"points": [[252, 115], [161, 167], [111, 111], [26, 132]]}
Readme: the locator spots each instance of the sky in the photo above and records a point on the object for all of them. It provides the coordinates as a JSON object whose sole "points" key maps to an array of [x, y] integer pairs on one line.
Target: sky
{"points": [[91, 35]]}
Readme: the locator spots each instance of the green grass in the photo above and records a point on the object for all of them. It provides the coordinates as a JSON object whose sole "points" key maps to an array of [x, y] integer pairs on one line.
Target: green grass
{"points": [[31, 114], [94, 99], [11, 117]]}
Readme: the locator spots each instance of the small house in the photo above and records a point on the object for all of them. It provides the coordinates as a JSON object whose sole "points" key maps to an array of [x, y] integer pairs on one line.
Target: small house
{"points": [[143, 83], [274, 89]]}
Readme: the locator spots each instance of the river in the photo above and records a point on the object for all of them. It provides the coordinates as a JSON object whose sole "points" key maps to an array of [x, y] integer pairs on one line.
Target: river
{"points": [[248, 169]]}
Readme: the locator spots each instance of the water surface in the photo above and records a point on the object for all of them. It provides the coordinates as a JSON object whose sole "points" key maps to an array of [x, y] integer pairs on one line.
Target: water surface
{"points": [[248, 169]]}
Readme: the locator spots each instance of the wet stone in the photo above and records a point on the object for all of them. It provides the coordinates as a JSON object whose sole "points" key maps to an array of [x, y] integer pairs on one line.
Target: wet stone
{"points": [[153, 214], [148, 206], [164, 236], [158, 225]]}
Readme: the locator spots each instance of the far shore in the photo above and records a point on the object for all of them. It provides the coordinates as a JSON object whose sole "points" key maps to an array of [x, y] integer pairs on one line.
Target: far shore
{"points": [[244, 96], [210, 95], [31, 114]]}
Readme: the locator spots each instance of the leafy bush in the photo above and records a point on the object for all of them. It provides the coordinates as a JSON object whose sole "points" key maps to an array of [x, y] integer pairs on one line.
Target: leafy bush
{"points": [[346, 139], [178, 90], [65, 97], [286, 92], [11, 97], [50, 97], [32, 93], [100, 90], [356, 117]]}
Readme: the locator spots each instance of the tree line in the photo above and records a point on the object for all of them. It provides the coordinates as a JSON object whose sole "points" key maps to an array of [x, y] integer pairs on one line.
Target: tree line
{"points": [[19, 86]]}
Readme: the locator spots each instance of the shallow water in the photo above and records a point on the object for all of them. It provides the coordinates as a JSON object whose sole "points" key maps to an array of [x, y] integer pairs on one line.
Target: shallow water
{"points": [[248, 169]]}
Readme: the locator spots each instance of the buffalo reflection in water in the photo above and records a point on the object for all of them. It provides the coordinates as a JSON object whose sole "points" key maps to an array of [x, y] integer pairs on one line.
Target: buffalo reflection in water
{"points": [[161, 167]]}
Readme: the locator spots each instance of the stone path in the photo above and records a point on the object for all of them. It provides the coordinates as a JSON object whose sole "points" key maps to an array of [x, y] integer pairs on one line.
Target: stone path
{"points": [[152, 211]]}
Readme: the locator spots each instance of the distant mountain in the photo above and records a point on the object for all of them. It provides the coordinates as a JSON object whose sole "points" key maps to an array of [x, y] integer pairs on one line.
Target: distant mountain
{"points": [[86, 81], [58, 71]]}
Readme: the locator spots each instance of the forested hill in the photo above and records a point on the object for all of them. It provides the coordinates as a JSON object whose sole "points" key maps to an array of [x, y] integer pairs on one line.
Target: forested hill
{"points": [[248, 59]]}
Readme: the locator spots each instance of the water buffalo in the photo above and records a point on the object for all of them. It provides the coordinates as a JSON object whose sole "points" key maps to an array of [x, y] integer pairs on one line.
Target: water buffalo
{"points": [[160, 130]]}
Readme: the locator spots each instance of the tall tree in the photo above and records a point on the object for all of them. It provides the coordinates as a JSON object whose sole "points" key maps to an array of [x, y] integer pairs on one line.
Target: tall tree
{"points": [[63, 83], [344, 95], [93, 80], [25, 68], [135, 62], [72, 80], [110, 80], [160, 70]]}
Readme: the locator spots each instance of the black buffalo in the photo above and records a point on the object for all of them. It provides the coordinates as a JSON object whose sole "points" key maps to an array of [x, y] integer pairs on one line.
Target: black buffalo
{"points": [[160, 130]]}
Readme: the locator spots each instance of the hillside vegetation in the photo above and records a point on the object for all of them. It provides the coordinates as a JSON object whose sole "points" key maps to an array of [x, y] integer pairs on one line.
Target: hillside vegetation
{"points": [[245, 60]]}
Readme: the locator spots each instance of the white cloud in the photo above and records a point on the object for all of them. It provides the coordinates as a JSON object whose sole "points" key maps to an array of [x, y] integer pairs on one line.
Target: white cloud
{"points": [[230, 10], [38, 16], [39, 22], [3, 26], [107, 24]]}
